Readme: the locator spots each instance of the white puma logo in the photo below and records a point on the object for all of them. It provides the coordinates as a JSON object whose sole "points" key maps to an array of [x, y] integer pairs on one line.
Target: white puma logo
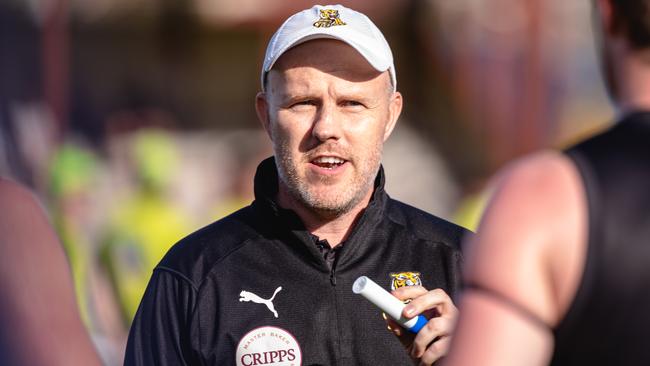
{"points": [[249, 296]]}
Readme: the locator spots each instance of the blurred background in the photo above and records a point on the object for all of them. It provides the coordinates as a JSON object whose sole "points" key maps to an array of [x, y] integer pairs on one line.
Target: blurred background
{"points": [[134, 123]]}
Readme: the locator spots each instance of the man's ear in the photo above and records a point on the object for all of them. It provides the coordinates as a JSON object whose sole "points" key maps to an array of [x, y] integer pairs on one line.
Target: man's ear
{"points": [[262, 110], [394, 111]]}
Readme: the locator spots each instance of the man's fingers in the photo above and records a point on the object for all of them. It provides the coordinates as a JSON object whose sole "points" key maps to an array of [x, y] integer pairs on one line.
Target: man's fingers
{"points": [[434, 299], [409, 292], [436, 350], [437, 306], [404, 336], [439, 327]]}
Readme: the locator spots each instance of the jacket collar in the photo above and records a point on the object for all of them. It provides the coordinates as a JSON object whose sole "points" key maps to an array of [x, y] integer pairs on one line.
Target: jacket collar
{"points": [[281, 221]]}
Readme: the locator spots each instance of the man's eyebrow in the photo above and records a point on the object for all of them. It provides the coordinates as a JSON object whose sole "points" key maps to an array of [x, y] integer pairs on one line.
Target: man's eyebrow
{"points": [[286, 98]]}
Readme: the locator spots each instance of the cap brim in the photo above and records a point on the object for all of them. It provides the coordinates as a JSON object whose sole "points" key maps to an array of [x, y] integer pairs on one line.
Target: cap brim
{"points": [[372, 58], [367, 54]]}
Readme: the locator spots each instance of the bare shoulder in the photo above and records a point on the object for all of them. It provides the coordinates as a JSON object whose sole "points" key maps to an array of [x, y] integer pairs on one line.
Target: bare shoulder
{"points": [[21, 214], [536, 192], [541, 173], [25, 231], [16, 199], [12, 193], [37, 301], [532, 234]]}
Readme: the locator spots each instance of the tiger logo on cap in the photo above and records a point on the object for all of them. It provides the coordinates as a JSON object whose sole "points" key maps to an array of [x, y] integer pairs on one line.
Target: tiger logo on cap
{"points": [[328, 18], [403, 279]]}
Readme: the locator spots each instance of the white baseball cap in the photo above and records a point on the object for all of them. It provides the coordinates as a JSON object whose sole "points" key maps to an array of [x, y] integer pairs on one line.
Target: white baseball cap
{"points": [[335, 22]]}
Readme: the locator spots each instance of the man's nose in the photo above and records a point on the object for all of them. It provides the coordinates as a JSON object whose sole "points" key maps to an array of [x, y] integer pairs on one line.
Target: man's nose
{"points": [[327, 125]]}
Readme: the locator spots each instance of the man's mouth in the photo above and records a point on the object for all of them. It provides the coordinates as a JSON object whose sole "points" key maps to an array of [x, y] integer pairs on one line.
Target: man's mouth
{"points": [[328, 162]]}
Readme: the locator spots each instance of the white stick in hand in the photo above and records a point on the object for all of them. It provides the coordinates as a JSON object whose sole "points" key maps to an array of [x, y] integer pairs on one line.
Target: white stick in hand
{"points": [[388, 303]]}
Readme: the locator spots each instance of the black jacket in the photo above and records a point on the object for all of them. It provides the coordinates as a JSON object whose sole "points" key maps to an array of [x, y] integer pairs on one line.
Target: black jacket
{"points": [[197, 309]]}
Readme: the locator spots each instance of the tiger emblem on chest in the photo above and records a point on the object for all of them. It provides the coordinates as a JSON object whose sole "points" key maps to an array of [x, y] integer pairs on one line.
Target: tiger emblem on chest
{"points": [[403, 279]]}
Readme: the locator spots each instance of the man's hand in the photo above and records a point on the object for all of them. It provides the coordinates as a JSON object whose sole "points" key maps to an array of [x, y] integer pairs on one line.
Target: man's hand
{"points": [[433, 340]]}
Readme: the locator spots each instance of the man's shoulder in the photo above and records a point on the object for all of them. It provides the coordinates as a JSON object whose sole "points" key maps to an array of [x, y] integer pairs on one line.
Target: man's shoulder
{"points": [[194, 256], [426, 226]]}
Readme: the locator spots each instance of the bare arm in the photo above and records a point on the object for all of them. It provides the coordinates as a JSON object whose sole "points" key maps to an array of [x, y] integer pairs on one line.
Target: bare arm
{"points": [[526, 262], [39, 319]]}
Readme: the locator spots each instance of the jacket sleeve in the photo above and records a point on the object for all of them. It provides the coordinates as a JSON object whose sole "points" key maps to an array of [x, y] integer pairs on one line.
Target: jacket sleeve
{"points": [[161, 332]]}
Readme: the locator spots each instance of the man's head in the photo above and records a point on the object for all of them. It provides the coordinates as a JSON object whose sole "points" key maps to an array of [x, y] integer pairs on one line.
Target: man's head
{"points": [[623, 30], [334, 22], [328, 104], [631, 18]]}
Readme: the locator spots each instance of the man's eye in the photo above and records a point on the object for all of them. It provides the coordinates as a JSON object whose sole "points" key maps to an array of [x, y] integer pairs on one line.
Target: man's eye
{"points": [[303, 103], [352, 103]]}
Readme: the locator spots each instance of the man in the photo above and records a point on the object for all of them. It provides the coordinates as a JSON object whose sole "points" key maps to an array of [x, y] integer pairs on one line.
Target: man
{"points": [[272, 283], [39, 318], [559, 272]]}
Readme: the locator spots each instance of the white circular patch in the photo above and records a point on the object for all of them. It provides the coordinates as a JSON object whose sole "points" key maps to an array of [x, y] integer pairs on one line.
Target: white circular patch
{"points": [[268, 346]]}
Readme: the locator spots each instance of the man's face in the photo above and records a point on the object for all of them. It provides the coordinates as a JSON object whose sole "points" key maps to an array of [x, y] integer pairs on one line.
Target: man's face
{"points": [[328, 113]]}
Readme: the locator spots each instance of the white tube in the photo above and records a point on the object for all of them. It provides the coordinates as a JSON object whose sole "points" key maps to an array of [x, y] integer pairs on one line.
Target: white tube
{"points": [[388, 303]]}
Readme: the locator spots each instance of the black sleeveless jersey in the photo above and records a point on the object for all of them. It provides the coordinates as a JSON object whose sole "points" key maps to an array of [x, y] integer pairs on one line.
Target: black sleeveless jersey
{"points": [[608, 322]]}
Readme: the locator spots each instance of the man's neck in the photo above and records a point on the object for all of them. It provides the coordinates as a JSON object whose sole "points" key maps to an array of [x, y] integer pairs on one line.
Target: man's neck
{"points": [[334, 229], [634, 82]]}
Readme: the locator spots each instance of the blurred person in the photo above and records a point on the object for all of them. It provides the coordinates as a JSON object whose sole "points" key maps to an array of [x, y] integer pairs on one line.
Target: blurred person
{"points": [[435, 189], [559, 270], [39, 319], [247, 148], [72, 172], [272, 283], [75, 175], [472, 206], [142, 227]]}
